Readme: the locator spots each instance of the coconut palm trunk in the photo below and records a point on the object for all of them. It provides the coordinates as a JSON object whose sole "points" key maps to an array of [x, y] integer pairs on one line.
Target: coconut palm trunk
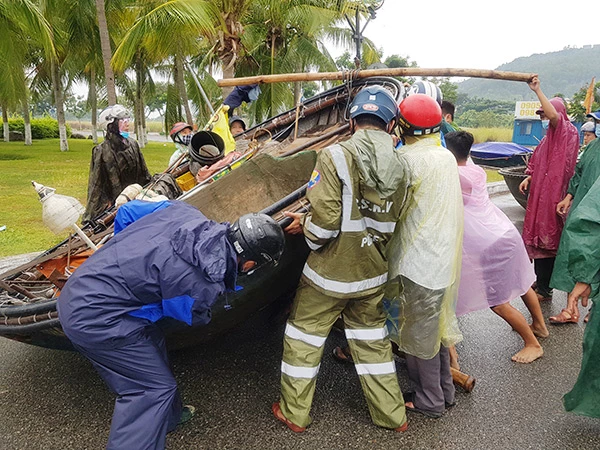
{"points": [[93, 101], [180, 82], [109, 75], [5, 127], [60, 107], [27, 120], [138, 104]]}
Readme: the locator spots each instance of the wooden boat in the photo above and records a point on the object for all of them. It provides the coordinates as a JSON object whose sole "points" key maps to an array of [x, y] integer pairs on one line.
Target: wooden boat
{"points": [[500, 154], [513, 176], [280, 155]]}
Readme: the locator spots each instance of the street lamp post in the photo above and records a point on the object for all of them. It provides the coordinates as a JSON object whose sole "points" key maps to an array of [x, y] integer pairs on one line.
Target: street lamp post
{"points": [[370, 7]]}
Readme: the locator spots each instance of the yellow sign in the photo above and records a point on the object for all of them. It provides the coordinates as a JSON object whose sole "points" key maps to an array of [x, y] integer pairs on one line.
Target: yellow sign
{"points": [[526, 110]]}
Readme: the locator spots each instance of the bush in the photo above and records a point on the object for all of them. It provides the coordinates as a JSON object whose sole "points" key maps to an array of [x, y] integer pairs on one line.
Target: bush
{"points": [[41, 128]]}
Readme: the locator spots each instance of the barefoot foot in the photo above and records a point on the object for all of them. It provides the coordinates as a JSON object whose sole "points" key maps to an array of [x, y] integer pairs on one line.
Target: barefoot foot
{"points": [[528, 354], [540, 331]]}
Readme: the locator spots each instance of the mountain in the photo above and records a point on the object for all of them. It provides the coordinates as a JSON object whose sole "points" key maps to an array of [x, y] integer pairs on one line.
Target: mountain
{"points": [[563, 72]]}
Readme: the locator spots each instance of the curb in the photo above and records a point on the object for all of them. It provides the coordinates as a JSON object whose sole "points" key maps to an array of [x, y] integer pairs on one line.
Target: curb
{"points": [[497, 188]]}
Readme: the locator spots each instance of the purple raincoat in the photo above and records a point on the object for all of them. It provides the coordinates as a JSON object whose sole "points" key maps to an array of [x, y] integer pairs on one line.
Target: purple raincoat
{"points": [[551, 167]]}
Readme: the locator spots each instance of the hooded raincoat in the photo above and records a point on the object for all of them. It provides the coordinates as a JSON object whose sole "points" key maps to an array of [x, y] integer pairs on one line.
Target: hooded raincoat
{"points": [[581, 248], [356, 197], [551, 166], [587, 171], [495, 265], [116, 163], [172, 262], [424, 253]]}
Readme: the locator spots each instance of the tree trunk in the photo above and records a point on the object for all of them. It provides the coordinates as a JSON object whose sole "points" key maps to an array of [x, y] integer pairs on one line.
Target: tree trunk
{"points": [[60, 108], [93, 101], [27, 120], [137, 104], [180, 82], [5, 124], [106, 52], [143, 121]]}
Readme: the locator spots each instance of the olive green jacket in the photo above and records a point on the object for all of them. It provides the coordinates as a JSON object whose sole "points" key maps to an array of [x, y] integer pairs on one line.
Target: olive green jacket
{"points": [[356, 193]]}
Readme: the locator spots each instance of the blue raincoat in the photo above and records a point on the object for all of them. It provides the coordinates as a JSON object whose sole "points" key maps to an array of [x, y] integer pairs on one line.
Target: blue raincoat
{"points": [[172, 262]]}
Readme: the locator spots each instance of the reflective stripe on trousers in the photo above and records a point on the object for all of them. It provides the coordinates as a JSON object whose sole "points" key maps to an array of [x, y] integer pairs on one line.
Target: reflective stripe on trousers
{"points": [[311, 319]]}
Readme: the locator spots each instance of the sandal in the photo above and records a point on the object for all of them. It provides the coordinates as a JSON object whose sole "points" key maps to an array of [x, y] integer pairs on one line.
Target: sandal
{"points": [[564, 317], [409, 397], [342, 355], [279, 416], [586, 319]]}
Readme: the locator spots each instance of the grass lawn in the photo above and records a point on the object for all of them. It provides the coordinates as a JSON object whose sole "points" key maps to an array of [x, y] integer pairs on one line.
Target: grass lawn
{"points": [[493, 175], [67, 172]]}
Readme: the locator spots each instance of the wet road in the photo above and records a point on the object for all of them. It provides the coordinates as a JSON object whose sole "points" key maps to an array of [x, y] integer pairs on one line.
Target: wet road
{"points": [[54, 400]]}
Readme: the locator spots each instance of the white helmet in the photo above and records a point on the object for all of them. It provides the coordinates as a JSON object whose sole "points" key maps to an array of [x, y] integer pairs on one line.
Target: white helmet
{"points": [[109, 114], [427, 88]]}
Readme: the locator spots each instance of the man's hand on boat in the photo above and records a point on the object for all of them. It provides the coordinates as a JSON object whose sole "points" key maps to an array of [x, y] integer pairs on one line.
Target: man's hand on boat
{"points": [[296, 226]]}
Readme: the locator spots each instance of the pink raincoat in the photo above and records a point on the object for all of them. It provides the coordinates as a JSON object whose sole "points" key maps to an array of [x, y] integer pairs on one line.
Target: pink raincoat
{"points": [[551, 167], [495, 265]]}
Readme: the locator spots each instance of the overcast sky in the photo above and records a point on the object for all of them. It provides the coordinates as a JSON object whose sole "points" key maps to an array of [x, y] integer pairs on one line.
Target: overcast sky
{"points": [[477, 34]]}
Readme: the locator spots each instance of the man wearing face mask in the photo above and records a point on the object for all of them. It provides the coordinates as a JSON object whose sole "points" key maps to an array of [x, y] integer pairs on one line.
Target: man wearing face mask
{"points": [[550, 168], [116, 163], [165, 260], [181, 134]]}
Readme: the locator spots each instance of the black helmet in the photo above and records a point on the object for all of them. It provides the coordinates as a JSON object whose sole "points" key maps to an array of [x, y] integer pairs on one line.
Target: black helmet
{"points": [[257, 237], [207, 148]]}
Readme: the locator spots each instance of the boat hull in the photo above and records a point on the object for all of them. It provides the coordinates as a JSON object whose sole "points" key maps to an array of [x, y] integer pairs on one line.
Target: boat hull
{"points": [[288, 146], [513, 177]]}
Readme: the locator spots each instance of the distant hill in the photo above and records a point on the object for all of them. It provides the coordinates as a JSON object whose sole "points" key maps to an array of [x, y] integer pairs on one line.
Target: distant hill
{"points": [[564, 72]]}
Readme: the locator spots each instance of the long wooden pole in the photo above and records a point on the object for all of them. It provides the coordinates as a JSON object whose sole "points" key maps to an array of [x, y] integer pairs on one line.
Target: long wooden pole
{"points": [[395, 72]]}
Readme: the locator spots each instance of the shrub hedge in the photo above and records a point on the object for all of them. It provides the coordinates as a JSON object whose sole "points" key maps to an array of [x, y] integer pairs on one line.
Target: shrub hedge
{"points": [[41, 128]]}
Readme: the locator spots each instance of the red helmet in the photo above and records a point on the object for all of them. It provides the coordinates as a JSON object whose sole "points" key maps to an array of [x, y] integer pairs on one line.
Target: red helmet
{"points": [[179, 126], [419, 115]]}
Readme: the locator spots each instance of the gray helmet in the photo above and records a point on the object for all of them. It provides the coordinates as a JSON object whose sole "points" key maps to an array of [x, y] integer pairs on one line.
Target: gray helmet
{"points": [[233, 119]]}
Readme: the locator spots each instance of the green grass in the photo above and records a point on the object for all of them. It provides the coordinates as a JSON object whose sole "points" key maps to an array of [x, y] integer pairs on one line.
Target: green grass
{"points": [[491, 134], [493, 176], [67, 172]]}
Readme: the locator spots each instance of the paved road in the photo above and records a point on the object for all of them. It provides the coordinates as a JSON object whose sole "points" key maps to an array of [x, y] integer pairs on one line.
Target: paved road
{"points": [[54, 400]]}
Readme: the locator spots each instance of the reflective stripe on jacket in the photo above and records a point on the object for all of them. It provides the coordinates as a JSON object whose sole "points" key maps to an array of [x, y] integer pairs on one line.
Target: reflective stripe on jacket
{"points": [[349, 224]]}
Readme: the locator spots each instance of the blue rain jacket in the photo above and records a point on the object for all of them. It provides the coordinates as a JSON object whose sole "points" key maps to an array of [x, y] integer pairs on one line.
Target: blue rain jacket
{"points": [[171, 262]]}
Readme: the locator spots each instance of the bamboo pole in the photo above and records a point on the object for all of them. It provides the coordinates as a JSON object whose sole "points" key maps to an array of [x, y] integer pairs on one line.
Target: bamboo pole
{"points": [[393, 72]]}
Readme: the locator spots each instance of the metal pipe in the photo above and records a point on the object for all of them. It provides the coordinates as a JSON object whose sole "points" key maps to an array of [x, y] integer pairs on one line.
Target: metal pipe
{"points": [[200, 88]]}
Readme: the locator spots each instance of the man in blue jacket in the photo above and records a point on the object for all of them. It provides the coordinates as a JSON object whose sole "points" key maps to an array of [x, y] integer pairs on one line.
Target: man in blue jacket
{"points": [[172, 262]]}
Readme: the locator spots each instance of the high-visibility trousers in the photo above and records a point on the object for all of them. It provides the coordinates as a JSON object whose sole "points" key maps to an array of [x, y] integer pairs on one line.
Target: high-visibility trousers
{"points": [[310, 322]]}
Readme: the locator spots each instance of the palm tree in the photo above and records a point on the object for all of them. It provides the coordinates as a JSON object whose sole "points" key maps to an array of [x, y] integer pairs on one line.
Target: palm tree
{"points": [[288, 37], [106, 51], [24, 27], [85, 53], [166, 32]]}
